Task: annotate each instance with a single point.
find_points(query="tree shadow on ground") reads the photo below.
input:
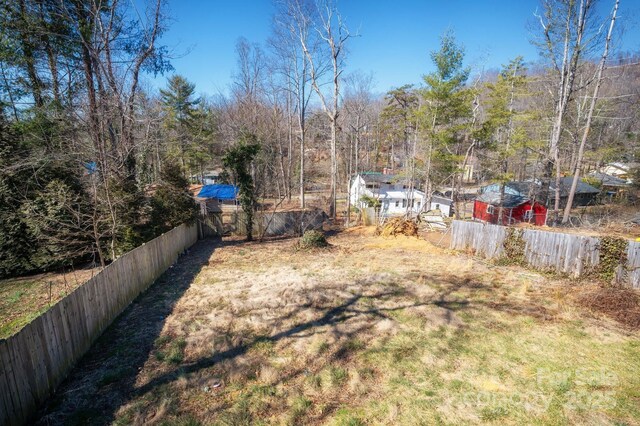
(105, 376)
(106, 379)
(333, 316)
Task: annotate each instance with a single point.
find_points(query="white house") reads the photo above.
(210, 177)
(619, 170)
(395, 196)
(444, 204)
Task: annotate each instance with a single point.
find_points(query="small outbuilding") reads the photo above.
(444, 204)
(213, 197)
(612, 187)
(586, 195)
(516, 209)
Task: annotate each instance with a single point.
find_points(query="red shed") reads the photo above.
(515, 209)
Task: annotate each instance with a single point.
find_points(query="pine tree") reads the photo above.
(445, 113)
(16, 248)
(501, 130)
(181, 109)
(172, 205)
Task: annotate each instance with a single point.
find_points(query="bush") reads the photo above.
(369, 201)
(171, 204)
(313, 239)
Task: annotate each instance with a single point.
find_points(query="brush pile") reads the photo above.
(312, 239)
(398, 226)
(621, 304)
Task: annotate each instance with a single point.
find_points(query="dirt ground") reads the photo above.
(371, 330)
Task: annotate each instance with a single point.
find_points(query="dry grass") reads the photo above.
(23, 299)
(374, 331)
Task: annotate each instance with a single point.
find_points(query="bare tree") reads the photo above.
(587, 126)
(292, 30)
(331, 29)
(357, 103)
(111, 74)
(566, 26)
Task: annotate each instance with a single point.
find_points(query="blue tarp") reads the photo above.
(91, 167)
(219, 191)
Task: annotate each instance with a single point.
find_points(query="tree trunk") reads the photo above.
(29, 57)
(587, 127)
(303, 131)
(334, 168)
(565, 90)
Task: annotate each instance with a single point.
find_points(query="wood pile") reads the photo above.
(398, 226)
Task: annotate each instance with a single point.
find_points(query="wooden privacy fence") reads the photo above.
(36, 359)
(564, 253)
(294, 222)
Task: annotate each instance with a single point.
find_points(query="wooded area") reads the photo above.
(93, 163)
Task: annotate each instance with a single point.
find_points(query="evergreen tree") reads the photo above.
(181, 113)
(445, 113)
(502, 129)
(172, 205)
(16, 248)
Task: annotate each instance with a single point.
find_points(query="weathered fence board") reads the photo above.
(564, 253)
(486, 240)
(294, 222)
(37, 358)
(633, 263)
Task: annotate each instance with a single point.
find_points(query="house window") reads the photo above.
(397, 203)
(404, 203)
(437, 207)
(528, 214)
(490, 209)
(419, 204)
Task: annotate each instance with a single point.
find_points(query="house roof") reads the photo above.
(509, 200)
(565, 187)
(441, 200)
(608, 180)
(524, 188)
(400, 194)
(219, 191)
(623, 167)
(371, 177)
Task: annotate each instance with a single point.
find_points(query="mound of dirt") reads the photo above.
(398, 226)
(623, 305)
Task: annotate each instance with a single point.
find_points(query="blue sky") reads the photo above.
(395, 39)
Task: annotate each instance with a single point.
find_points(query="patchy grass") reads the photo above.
(23, 299)
(374, 331)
